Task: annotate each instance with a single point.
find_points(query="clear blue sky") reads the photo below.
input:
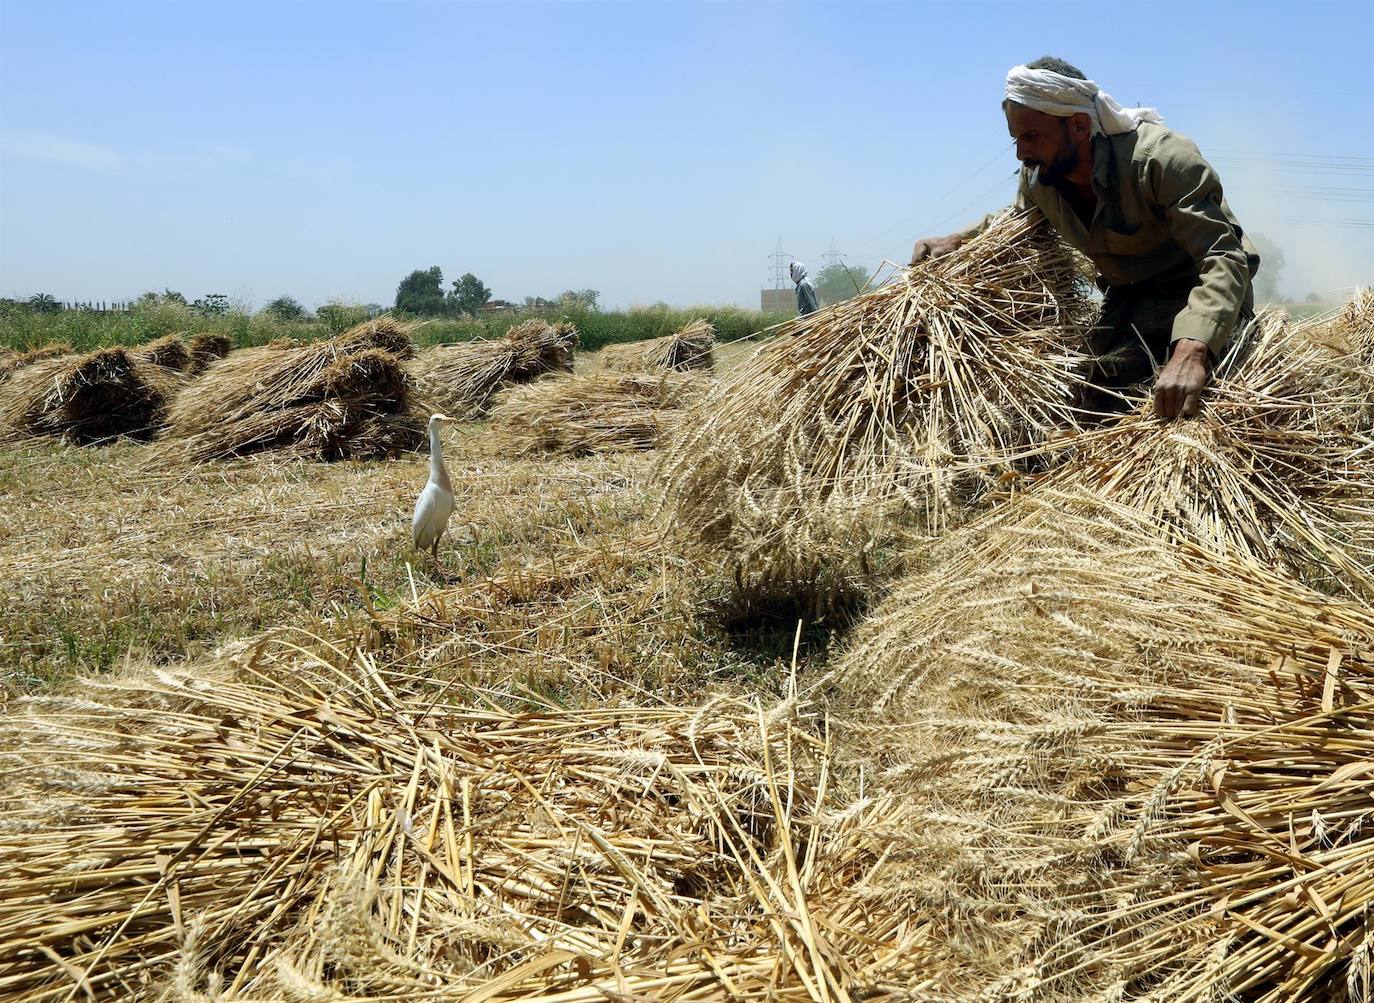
(653, 151)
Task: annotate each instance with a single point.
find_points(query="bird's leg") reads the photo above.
(434, 550)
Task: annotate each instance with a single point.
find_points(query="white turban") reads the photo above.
(797, 270)
(1061, 96)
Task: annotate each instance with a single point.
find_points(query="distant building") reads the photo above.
(778, 300)
(496, 306)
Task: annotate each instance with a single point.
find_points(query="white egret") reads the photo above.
(435, 503)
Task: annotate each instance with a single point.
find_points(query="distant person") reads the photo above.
(1141, 202)
(806, 292)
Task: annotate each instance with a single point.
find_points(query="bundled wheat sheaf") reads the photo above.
(906, 401)
(169, 350)
(691, 347)
(592, 413)
(1278, 465)
(1136, 768)
(11, 361)
(88, 398)
(205, 348)
(347, 398)
(462, 379)
(324, 838)
(1353, 324)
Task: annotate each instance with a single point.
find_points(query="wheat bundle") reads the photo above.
(88, 398)
(10, 361)
(169, 351)
(384, 332)
(205, 348)
(542, 347)
(1140, 764)
(320, 838)
(909, 399)
(1278, 464)
(592, 413)
(462, 379)
(691, 347)
(330, 400)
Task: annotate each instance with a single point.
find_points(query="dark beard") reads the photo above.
(1058, 169)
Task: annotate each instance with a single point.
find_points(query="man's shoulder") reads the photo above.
(1151, 142)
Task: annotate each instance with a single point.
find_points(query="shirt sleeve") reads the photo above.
(1189, 193)
(806, 298)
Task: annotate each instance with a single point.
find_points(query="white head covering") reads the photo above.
(797, 271)
(1061, 96)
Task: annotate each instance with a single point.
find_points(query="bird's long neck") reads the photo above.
(437, 473)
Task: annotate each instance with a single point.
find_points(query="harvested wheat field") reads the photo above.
(462, 379)
(593, 412)
(346, 398)
(691, 347)
(900, 406)
(1104, 736)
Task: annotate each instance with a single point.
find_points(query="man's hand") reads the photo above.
(1178, 388)
(934, 247)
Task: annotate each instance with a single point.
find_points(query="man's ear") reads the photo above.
(1080, 126)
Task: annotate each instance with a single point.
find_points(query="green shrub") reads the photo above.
(22, 328)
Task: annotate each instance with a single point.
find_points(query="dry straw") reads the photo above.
(592, 413)
(205, 348)
(90, 398)
(169, 350)
(10, 361)
(462, 379)
(1279, 465)
(324, 837)
(347, 398)
(1135, 767)
(1353, 324)
(907, 401)
(691, 347)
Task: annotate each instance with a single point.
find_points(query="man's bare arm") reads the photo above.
(935, 247)
(1179, 385)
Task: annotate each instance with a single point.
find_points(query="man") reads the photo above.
(806, 292)
(1140, 201)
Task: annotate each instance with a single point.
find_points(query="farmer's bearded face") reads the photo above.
(1043, 142)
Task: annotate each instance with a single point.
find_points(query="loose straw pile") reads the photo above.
(691, 347)
(462, 379)
(905, 402)
(593, 413)
(322, 837)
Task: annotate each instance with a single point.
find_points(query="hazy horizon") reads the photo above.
(653, 152)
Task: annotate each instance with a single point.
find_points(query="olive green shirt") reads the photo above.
(1160, 220)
